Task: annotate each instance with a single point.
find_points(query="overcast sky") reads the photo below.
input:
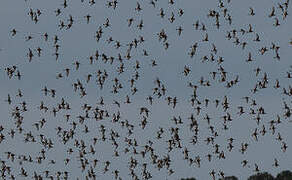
(78, 43)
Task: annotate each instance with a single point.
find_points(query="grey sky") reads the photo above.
(78, 43)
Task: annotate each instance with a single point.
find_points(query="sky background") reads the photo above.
(78, 43)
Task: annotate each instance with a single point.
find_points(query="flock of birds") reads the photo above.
(109, 124)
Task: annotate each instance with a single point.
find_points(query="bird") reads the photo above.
(13, 32)
(251, 11)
